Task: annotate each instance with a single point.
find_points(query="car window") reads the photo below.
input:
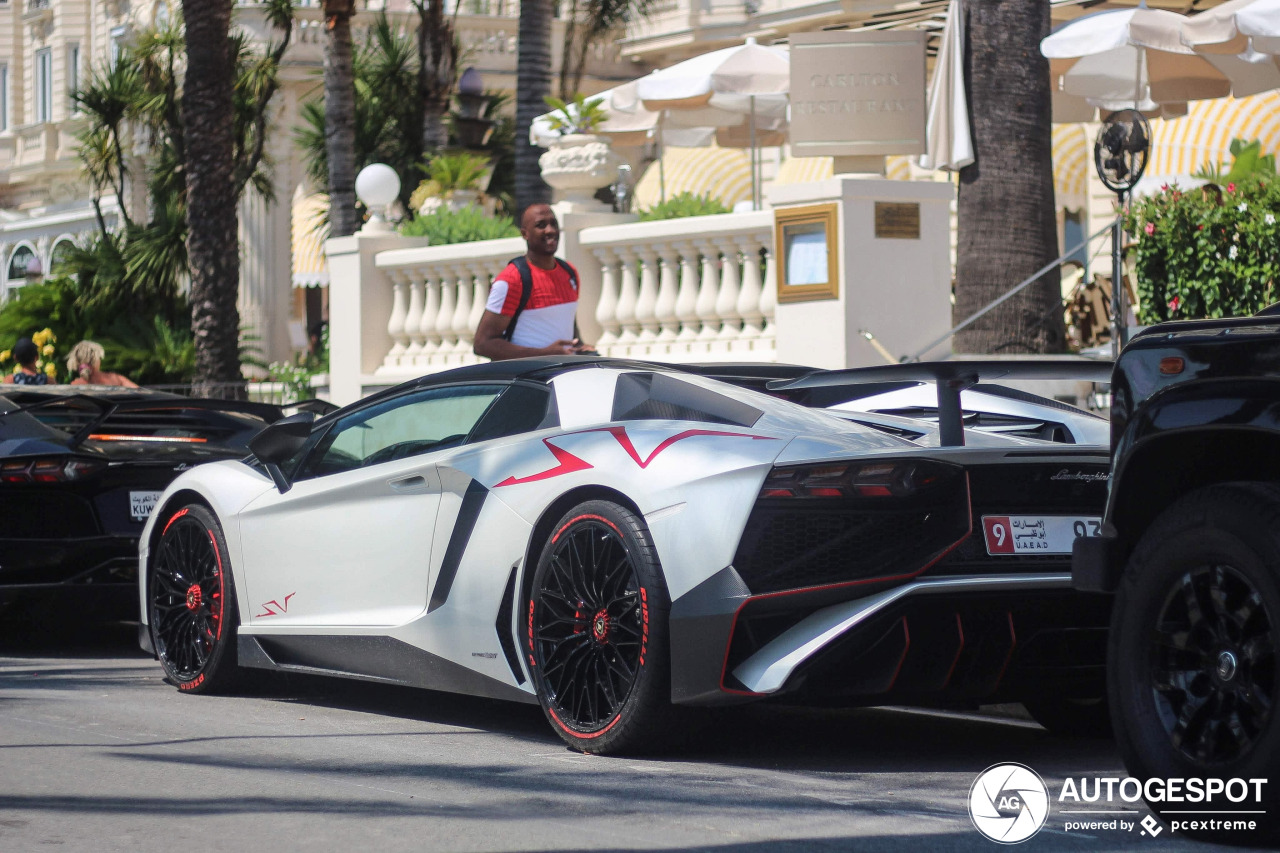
(521, 408)
(656, 396)
(404, 426)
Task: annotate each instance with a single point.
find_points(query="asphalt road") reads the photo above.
(97, 753)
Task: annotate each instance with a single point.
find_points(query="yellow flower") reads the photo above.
(48, 349)
(40, 338)
(4, 356)
(51, 370)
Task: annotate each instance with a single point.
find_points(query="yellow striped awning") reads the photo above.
(804, 170)
(1183, 145)
(722, 173)
(310, 228)
(1072, 160)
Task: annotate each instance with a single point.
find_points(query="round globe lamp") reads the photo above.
(377, 186)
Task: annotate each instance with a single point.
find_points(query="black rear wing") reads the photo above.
(951, 378)
(106, 409)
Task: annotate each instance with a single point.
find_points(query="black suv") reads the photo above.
(1191, 547)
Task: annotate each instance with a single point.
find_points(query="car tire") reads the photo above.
(191, 603)
(1193, 668)
(1071, 716)
(596, 632)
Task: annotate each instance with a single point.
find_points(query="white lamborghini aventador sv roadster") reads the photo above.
(616, 540)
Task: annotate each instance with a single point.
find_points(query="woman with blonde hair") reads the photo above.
(85, 361)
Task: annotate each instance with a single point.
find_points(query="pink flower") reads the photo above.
(1199, 227)
(1150, 229)
(1174, 303)
(1164, 188)
(1231, 188)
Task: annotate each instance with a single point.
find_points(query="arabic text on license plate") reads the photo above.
(141, 504)
(1036, 534)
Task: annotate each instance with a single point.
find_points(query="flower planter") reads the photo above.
(578, 165)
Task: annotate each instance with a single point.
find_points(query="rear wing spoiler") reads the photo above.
(950, 378)
(106, 408)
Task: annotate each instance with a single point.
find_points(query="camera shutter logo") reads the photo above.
(1008, 803)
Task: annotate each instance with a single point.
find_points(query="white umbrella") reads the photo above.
(1130, 56)
(949, 144)
(749, 75)
(1236, 27)
(748, 69)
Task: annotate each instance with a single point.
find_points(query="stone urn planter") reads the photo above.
(577, 165)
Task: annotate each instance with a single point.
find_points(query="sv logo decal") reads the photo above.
(275, 608)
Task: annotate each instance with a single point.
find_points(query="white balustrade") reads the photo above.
(687, 289)
(647, 304)
(681, 290)
(439, 293)
(713, 272)
(607, 307)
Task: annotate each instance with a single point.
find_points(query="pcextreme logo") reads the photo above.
(1008, 803)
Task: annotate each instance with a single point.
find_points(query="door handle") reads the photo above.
(412, 483)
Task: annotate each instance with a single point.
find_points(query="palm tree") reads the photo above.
(213, 247)
(1005, 207)
(437, 70)
(589, 23)
(137, 130)
(533, 83)
(388, 116)
(340, 109)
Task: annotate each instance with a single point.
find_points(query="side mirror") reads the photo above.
(279, 441)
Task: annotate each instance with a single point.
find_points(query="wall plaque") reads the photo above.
(857, 93)
(897, 220)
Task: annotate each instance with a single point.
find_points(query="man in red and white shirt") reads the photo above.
(546, 324)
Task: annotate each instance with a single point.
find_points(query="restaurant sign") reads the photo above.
(857, 93)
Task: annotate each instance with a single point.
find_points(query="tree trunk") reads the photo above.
(533, 83)
(340, 117)
(1005, 209)
(213, 248)
(437, 72)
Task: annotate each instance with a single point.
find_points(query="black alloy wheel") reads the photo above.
(596, 630)
(1193, 658)
(192, 602)
(1213, 665)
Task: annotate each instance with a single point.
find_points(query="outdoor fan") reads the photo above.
(1121, 149)
(1120, 155)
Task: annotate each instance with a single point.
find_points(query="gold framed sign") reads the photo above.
(808, 252)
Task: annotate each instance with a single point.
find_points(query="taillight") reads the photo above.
(881, 479)
(56, 469)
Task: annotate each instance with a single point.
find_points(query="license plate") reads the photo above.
(141, 504)
(1036, 534)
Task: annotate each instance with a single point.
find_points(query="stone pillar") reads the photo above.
(360, 308)
(893, 281)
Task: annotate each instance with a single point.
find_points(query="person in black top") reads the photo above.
(25, 353)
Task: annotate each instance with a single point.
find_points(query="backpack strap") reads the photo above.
(526, 286)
